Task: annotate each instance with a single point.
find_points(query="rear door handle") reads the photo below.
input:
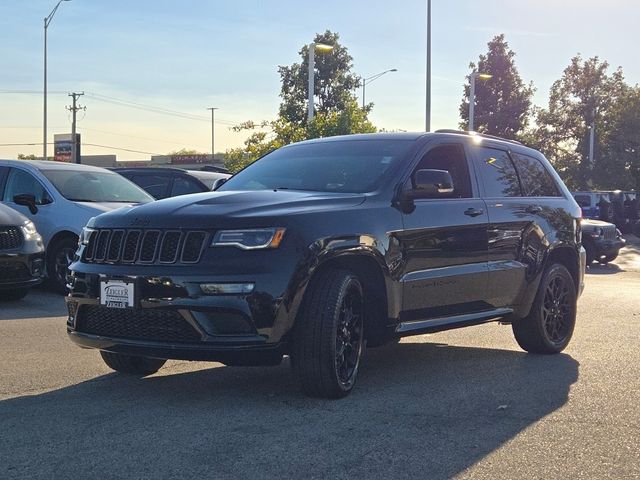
(473, 212)
(533, 209)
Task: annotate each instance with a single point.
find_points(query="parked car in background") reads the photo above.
(617, 207)
(322, 247)
(601, 240)
(60, 198)
(172, 182)
(21, 254)
(595, 205)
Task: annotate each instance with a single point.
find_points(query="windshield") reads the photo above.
(83, 186)
(350, 166)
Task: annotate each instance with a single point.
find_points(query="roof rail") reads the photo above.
(484, 135)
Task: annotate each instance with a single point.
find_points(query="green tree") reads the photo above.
(31, 156)
(587, 93)
(503, 102)
(334, 82)
(619, 165)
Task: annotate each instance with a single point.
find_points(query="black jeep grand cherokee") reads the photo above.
(323, 246)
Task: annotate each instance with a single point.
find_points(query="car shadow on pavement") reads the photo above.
(606, 269)
(420, 410)
(37, 304)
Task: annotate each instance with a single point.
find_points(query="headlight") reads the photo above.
(29, 231)
(85, 236)
(252, 239)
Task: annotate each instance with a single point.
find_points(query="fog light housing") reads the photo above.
(227, 288)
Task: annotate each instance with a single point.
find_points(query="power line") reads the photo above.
(169, 142)
(123, 149)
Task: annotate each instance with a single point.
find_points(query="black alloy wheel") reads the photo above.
(328, 339)
(59, 259)
(549, 326)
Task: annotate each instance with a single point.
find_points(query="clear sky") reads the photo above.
(187, 55)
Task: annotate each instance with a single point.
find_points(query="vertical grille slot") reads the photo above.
(131, 245)
(169, 248)
(115, 246)
(102, 244)
(192, 247)
(91, 245)
(149, 246)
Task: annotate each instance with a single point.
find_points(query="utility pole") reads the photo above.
(427, 125)
(592, 135)
(213, 135)
(74, 109)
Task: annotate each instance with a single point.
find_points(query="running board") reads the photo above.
(448, 323)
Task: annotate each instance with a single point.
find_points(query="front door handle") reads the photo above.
(473, 212)
(533, 209)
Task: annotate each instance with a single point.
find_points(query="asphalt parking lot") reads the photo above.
(466, 404)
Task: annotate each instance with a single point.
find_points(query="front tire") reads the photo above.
(131, 364)
(328, 339)
(549, 326)
(59, 258)
(608, 258)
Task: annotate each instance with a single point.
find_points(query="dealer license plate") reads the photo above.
(117, 293)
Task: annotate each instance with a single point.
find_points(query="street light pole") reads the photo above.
(427, 125)
(472, 95)
(312, 73)
(47, 21)
(213, 134)
(371, 79)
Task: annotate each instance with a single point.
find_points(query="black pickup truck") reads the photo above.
(323, 247)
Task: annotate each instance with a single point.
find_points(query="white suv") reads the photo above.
(60, 198)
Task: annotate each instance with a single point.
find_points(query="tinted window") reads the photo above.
(498, 173)
(95, 186)
(354, 166)
(452, 159)
(20, 182)
(183, 186)
(155, 185)
(536, 180)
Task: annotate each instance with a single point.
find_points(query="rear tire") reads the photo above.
(549, 326)
(15, 294)
(591, 252)
(328, 339)
(132, 364)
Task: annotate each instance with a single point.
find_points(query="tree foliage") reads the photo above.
(334, 82)
(336, 106)
(503, 102)
(585, 94)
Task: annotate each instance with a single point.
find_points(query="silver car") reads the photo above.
(60, 198)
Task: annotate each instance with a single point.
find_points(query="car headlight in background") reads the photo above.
(29, 231)
(85, 235)
(250, 239)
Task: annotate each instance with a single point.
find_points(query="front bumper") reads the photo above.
(20, 270)
(609, 247)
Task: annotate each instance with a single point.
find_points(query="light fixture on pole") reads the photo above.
(321, 47)
(472, 94)
(213, 134)
(47, 21)
(371, 79)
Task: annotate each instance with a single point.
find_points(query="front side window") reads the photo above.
(346, 166)
(498, 174)
(583, 200)
(155, 185)
(96, 186)
(452, 159)
(184, 186)
(536, 180)
(20, 182)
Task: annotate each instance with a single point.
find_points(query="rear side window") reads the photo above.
(583, 200)
(184, 186)
(498, 174)
(156, 185)
(535, 178)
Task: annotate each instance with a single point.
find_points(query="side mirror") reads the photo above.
(27, 200)
(218, 183)
(432, 184)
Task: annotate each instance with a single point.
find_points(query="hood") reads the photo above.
(102, 207)
(211, 209)
(586, 222)
(10, 217)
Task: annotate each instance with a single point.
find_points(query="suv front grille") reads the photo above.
(10, 237)
(120, 246)
(609, 232)
(136, 324)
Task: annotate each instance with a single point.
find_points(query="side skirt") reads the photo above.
(417, 327)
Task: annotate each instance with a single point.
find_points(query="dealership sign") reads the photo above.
(63, 147)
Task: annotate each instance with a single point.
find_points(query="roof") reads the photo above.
(53, 165)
